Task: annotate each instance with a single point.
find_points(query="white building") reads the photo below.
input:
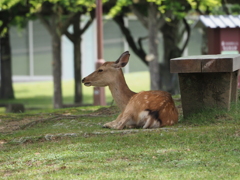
(32, 55)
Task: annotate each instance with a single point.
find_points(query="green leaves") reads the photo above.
(18, 12)
(204, 5)
(7, 4)
(71, 5)
(118, 7)
(178, 7)
(35, 5)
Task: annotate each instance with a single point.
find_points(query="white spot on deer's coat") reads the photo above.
(162, 103)
(143, 115)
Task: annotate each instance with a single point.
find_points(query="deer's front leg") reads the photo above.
(112, 124)
(122, 120)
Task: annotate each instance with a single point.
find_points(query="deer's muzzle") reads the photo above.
(86, 83)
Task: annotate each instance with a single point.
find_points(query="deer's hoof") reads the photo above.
(104, 126)
(107, 125)
(110, 125)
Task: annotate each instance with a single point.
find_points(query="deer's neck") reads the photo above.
(121, 92)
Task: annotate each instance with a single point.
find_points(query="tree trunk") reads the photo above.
(170, 37)
(57, 63)
(153, 47)
(77, 61)
(6, 91)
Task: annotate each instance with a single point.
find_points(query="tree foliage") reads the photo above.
(179, 8)
(11, 13)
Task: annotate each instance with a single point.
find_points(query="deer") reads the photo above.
(146, 109)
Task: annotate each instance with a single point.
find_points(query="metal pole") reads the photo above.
(99, 92)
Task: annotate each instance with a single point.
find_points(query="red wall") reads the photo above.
(213, 41)
(226, 39)
(230, 40)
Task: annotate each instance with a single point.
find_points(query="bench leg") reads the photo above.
(207, 90)
(234, 93)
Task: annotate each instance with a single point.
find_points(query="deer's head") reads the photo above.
(107, 73)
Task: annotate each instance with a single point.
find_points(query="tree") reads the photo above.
(57, 16)
(9, 14)
(168, 17)
(6, 91)
(153, 15)
(51, 17)
(75, 38)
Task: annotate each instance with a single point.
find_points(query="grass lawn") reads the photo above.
(71, 144)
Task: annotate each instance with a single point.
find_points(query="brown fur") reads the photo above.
(147, 109)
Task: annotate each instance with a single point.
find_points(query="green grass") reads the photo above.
(71, 144)
(80, 149)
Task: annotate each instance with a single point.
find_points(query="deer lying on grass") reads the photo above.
(147, 109)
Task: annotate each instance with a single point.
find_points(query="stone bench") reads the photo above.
(207, 81)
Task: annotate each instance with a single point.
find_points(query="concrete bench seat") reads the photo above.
(207, 81)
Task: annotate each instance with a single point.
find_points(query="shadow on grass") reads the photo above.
(46, 102)
(212, 116)
(31, 102)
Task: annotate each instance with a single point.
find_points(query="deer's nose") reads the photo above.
(83, 80)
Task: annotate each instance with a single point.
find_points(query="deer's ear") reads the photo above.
(122, 60)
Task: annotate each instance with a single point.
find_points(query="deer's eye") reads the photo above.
(100, 70)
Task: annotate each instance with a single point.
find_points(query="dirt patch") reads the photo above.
(106, 111)
(2, 142)
(13, 125)
(237, 133)
(9, 123)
